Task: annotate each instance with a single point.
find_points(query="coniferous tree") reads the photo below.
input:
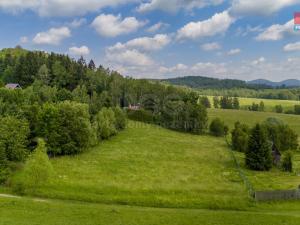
(258, 154)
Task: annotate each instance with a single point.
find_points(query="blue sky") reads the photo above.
(242, 39)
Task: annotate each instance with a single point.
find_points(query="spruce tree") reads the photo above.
(258, 154)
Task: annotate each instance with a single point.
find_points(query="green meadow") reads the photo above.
(151, 175)
(269, 103)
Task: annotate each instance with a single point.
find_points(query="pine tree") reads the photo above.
(258, 154)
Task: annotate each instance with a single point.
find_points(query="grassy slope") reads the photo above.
(150, 166)
(275, 179)
(28, 212)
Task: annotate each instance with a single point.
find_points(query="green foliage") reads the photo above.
(218, 128)
(4, 170)
(240, 137)
(278, 109)
(297, 109)
(105, 123)
(37, 170)
(120, 117)
(140, 115)
(66, 127)
(287, 161)
(216, 101)
(258, 154)
(14, 135)
(205, 101)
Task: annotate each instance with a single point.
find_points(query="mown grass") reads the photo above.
(150, 166)
(274, 179)
(53, 212)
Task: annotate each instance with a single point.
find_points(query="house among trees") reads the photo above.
(276, 155)
(134, 107)
(13, 86)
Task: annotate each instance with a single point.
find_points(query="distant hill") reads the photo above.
(207, 82)
(285, 83)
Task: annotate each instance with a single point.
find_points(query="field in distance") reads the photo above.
(269, 103)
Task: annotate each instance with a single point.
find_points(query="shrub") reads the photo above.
(258, 154)
(287, 162)
(278, 109)
(217, 128)
(120, 117)
(4, 170)
(37, 170)
(104, 123)
(240, 137)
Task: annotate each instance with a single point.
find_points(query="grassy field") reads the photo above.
(53, 212)
(269, 103)
(150, 166)
(150, 175)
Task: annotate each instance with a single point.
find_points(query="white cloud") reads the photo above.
(79, 51)
(77, 23)
(135, 54)
(259, 61)
(277, 32)
(211, 46)
(217, 24)
(144, 43)
(175, 5)
(292, 47)
(259, 7)
(234, 51)
(128, 57)
(109, 25)
(156, 27)
(53, 36)
(60, 7)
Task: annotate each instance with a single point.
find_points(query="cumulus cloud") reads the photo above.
(77, 23)
(234, 51)
(217, 24)
(135, 54)
(53, 36)
(259, 7)
(277, 32)
(60, 7)
(175, 5)
(292, 47)
(109, 25)
(211, 46)
(79, 51)
(156, 27)
(144, 43)
(259, 61)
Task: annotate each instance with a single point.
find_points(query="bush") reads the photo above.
(217, 128)
(287, 162)
(36, 172)
(240, 137)
(278, 109)
(120, 118)
(105, 123)
(4, 170)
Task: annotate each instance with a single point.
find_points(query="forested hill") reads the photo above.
(206, 82)
(213, 83)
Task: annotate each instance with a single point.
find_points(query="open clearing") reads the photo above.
(151, 175)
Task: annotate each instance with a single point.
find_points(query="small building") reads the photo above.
(13, 86)
(276, 155)
(134, 107)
